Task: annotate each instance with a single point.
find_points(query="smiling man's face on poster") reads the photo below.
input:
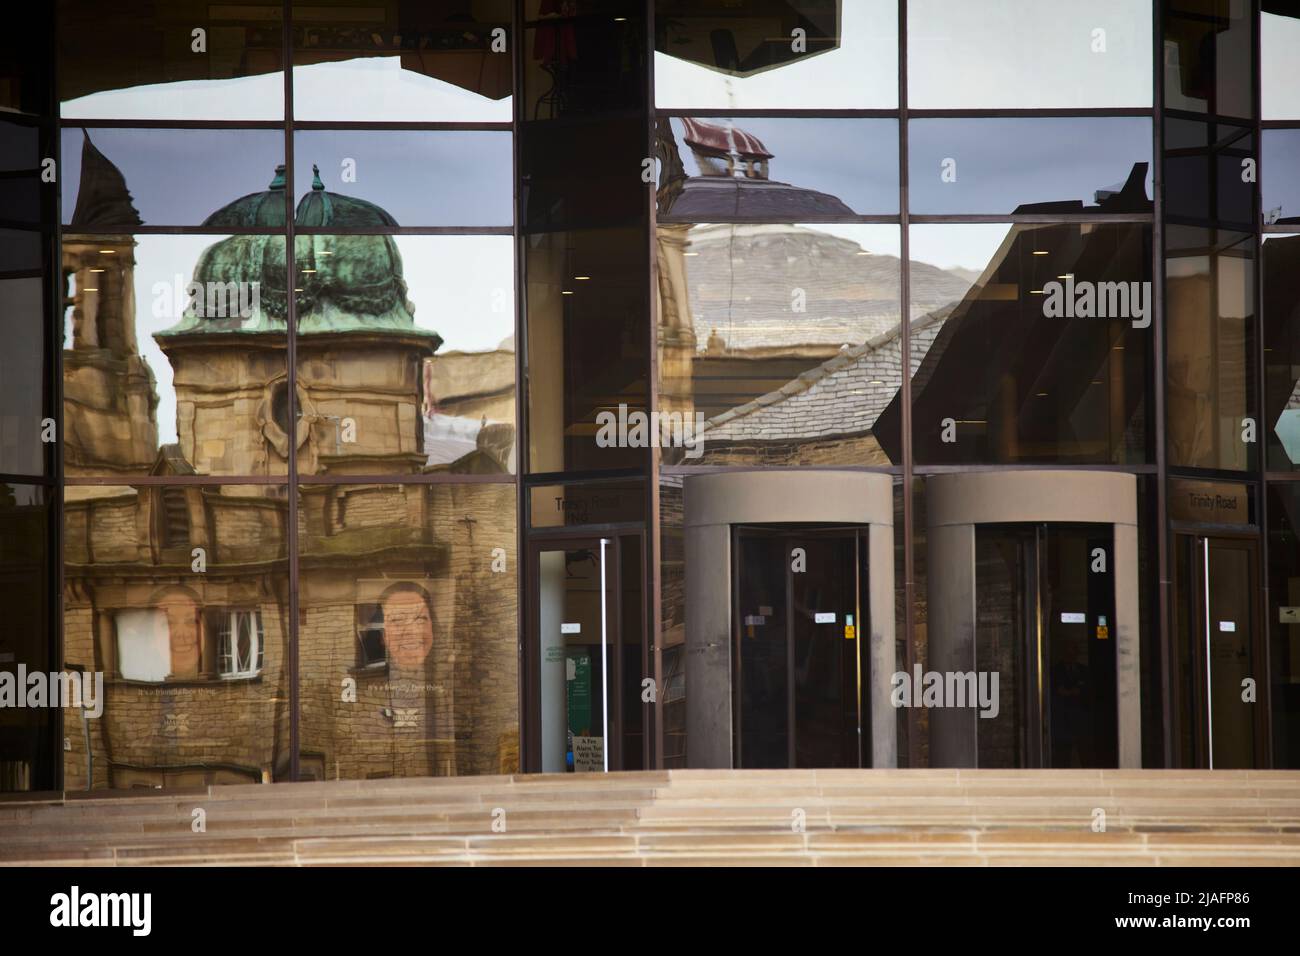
(408, 628)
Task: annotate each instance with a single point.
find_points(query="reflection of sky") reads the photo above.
(957, 245)
(995, 53)
(452, 281)
(374, 89)
(460, 178)
(1279, 57)
(1279, 173)
(180, 177)
(1028, 53)
(862, 73)
(855, 160)
(177, 178)
(1003, 163)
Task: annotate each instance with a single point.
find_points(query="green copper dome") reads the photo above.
(344, 282)
(256, 210)
(319, 208)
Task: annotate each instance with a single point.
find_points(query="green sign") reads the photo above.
(578, 684)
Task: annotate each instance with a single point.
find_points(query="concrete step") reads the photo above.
(800, 817)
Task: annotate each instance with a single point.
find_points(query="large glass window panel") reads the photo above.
(758, 168)
(1022, 53)
(406, 355)
(179, 596)
(1280, 176)
(174, 354)
(113, 179)
(185, 59)
(1284, 621)
(1281, 305)
(1034, 345)
(574, 174)
(1279, 39)
(26, 733)
(582, 58)
(1209, 56)
(1053, 166)
(1209, 348)
(23, 375)
(800, 54)
(408, 603)
(587, 364)
(442, 61)
(21, 251)
(24, 198)
(421, 178)
(779, 344)
(1209, 172)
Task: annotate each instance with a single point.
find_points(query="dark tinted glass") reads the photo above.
(586, 503)
(779, 344)
(445, 60)
(1281, 301)
(178, 60)
(1048, 166)
(1209, 348)
(1284, 620)
(1209, 58)
(27, 53)
(407, 647)
(581, 58)
(23, 321)
(173, 349)
(1209, 172)
(406, 356)
(21, 250)
(800, 54)
(1280, 177)
(442, 178)
(805, 170)
(1279, 26)
(114, 179)
(588, 347)
(581, 174)
(179, 595)
(26, 733)
(1022, 53)
(24, 198)
(1038, 350)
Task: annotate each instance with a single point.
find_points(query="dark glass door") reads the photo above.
(1220, 715)
(1045, 618)
(800, 673)
(585, 658)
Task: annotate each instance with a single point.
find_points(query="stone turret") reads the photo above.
(109, 394)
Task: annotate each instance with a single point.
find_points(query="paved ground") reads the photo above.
(682, 817)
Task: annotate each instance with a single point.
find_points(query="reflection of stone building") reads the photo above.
(107, 386)
(180, 593)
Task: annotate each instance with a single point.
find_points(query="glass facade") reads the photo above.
(560, 386)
